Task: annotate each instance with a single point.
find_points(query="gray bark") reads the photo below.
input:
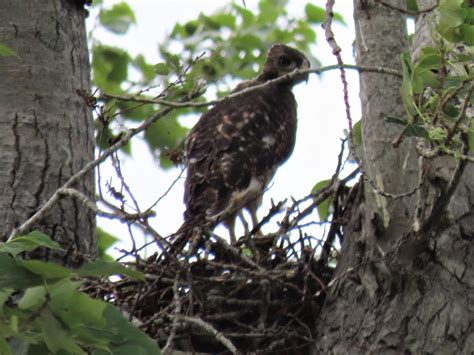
(46, 129)
(398, 291)
(381, 37)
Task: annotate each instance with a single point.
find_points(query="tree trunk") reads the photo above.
(402, 287)
(46, 129)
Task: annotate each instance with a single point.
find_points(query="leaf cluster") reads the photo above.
(43, 311)
(437, 87)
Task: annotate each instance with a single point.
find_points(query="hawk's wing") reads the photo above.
(237, 146)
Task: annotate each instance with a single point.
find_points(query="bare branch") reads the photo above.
(381, 70)
(461, 115)
(211, 330)
(177, 310)
(336, 50)
(408, 12)
(123, 216)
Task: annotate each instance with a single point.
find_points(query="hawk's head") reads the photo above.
(282, 60)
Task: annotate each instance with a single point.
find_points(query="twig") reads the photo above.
(408, 12)
(167, 190)
(336, 50)
(462, 114)
(123, 216)
(209, 329)
(118, 169)
(177, 310)
(433, 152)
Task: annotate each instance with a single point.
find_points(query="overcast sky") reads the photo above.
(321, 113)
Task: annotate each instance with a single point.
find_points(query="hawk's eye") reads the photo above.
(284, 61)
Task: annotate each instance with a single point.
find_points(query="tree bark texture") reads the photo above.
(46, 129)
(399, 291)
(381, 37)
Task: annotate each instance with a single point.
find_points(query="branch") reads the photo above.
(433, 152)
(408, 12)
(177, 310)
(462, 114)
(336, 50)
(118, 214)
(209, 329)
(381, 70)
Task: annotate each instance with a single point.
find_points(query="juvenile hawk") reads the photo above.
(235, 148)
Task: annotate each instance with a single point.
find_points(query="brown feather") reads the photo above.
(236, 147)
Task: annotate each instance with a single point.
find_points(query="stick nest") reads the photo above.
(220, 298)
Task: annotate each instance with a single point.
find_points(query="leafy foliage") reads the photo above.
(437, 88)
(43, 311)
(456, 23)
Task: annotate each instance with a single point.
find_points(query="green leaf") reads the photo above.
(172, 60)
(247, 16)
(133, 111)
(74, 308)
(4, 348)
(411, 129)
(106, 268)
(28, 243)
(125, 336)
(6, 51)
(191, 27)
(430, 58)
(33, 297)
(315, 14)
(105, 241)
(167, 133)
(146, 69)
(270, 11)
(109, 67)
(15, 276)
(45, 269)
(249, 41)
(467, 34)
(161, 69)
(357, 133)
(323, 207)
(24, 347)
(306, 31)
(56, 337)
(118, 19)
(4, 295)
(338, 17)
(452, 15)
(225, 20)
(471, 137)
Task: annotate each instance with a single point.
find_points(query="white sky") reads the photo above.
(321, 113)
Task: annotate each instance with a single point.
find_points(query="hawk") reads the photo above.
(234, 150)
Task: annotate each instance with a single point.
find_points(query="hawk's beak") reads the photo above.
(306, 65)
